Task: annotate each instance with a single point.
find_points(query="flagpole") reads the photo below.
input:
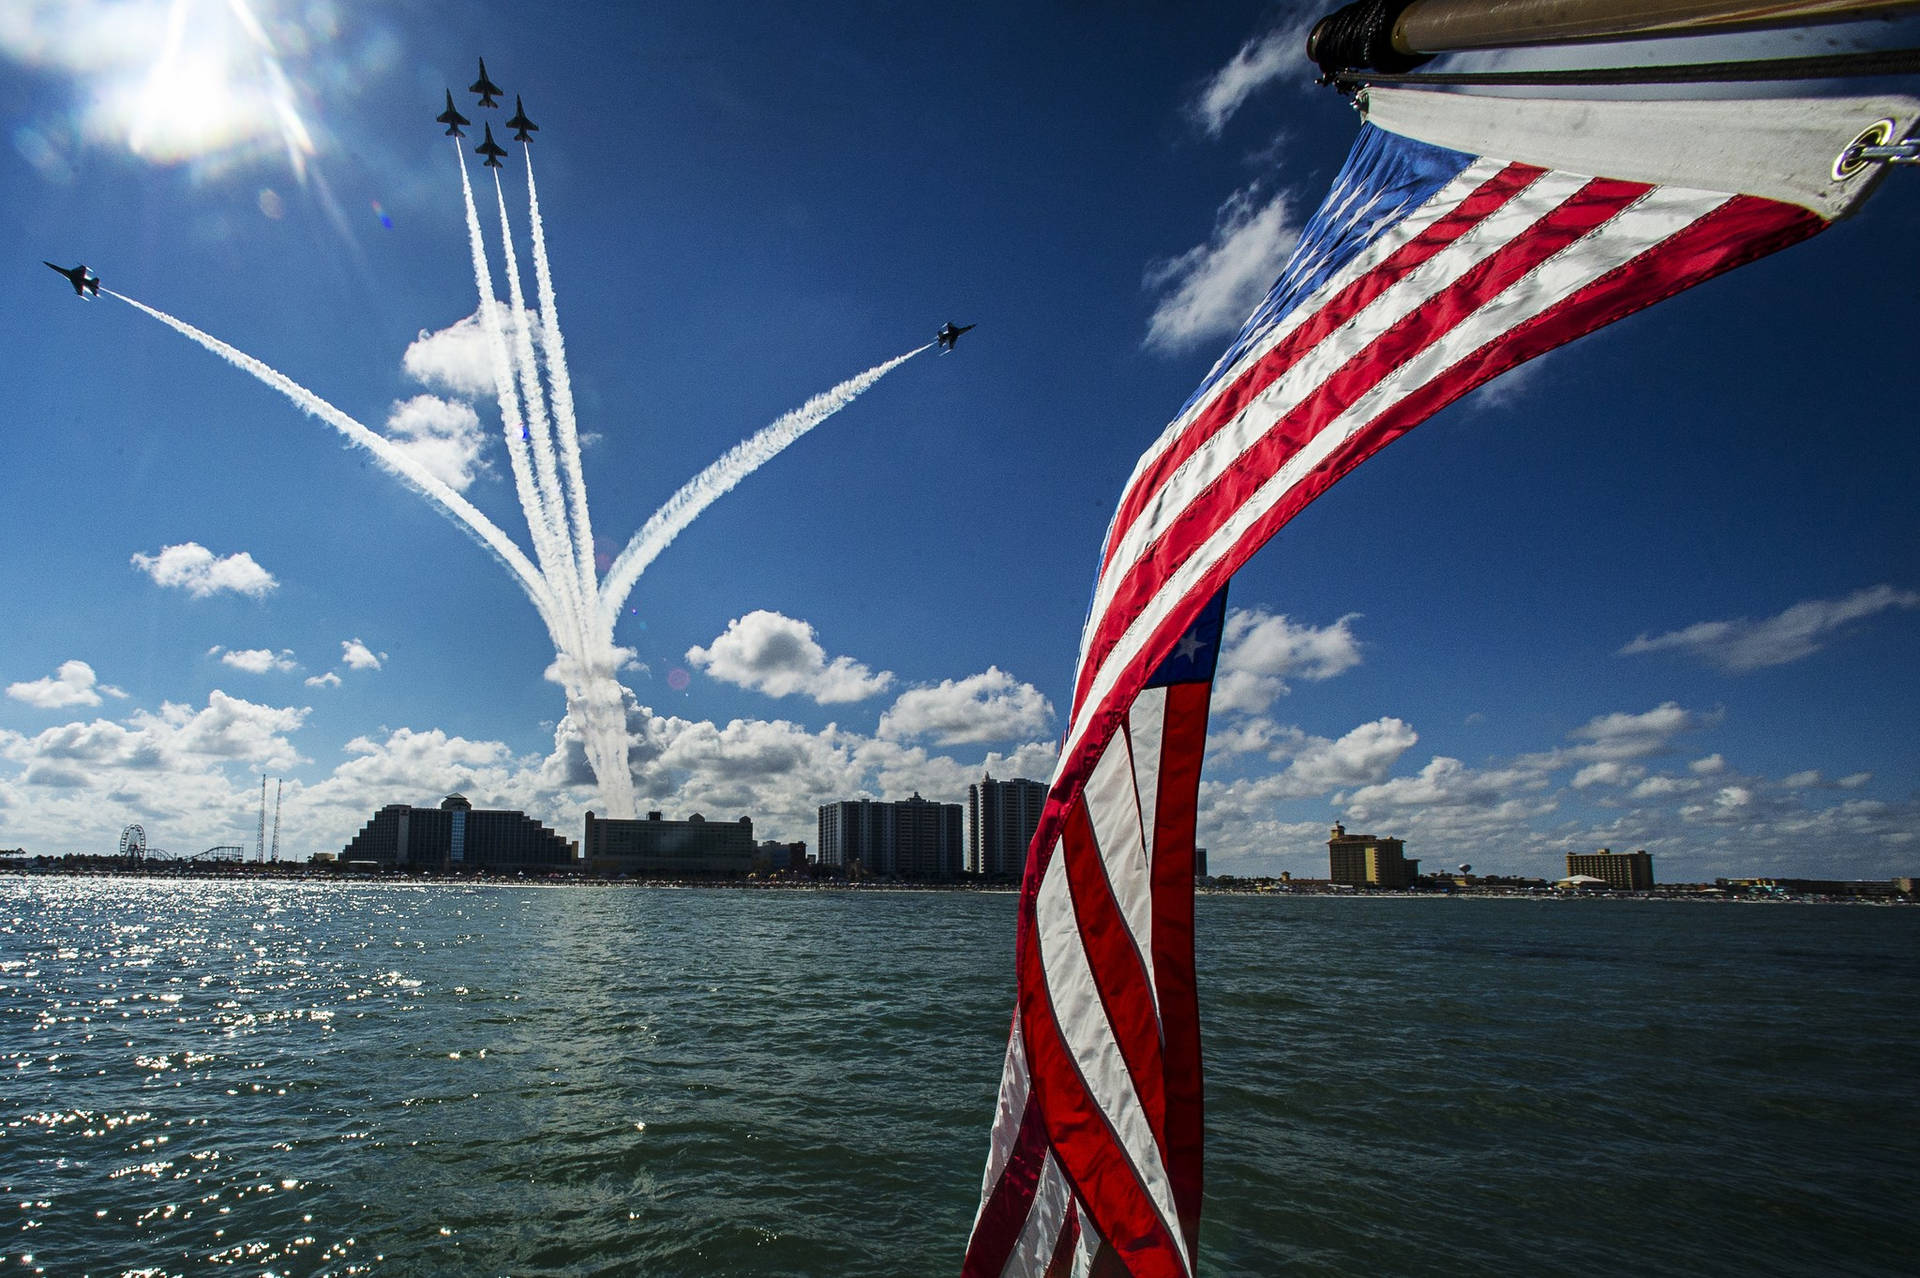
(1442, 26)
(1423, 28)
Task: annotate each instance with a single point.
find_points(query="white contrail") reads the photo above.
(561, 381)
(718, 479)
(592, 687)
(585, 659)
(545, 466)
(463, 513)
(538, 527)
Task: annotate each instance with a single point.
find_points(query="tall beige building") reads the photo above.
(1361, 860)
(1623, 871)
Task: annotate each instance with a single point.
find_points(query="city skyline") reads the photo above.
(1656, 590)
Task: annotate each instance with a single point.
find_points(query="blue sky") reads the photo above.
(1655, 590)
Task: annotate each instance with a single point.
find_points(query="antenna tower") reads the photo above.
(275, 856)
(260, 840)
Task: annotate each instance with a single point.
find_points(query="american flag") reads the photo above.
(1430, 269)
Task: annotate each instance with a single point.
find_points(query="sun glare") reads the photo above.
(189, 80)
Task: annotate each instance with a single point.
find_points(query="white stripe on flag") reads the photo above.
(1009, 1111)
(1082, 1020)
(1041, 1234)
(1113, 810)
(1146, 726)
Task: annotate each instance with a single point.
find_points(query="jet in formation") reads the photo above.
(949, 334)
(527, 128)
(83, 280)
(452, 118)
(491, 149)
(485, 87)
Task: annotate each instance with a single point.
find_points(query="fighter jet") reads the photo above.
(452, 118)
(949, 334)
(521, 122)
(491, 149)
(83, 280)
(485, 87)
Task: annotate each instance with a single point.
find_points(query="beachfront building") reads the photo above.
(660, 849)
(456, 837)
(853, 832)
(1001, 819)
(913, 838)
(775, 857)
(1361, 860)
(1621, 871)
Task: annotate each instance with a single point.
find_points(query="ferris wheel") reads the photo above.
(133, 841)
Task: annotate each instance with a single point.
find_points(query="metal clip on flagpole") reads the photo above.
(1875, 145)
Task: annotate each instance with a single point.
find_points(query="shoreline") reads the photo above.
(305, 872)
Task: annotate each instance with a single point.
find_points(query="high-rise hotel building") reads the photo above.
(1621, 871)
(913, 838)
(456, 837)
(1001, 819)
(1361, 860)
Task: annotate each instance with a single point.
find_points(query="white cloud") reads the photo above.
(1622, 737)
(459, 358)
(1709, 766)
(173, 760)
(358, 656)
(327, 680)
(1208, 291)
(779, 656)
(1742, 645)
(1610, 772)
(992, 706)
(1279, 54)
(258, 660)
(1443, 783)
(443, 435)
(195, 569)
(1261, 650)
(1316, 766)
(73, 684)
(1659, 787)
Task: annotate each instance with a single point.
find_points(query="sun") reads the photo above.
(208, 84)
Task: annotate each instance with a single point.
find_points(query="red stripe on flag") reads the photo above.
(1589, 207)
(1004, 1217)
(1486, 199)
(1118, 967)
(1182, 747)
(1085, 1144)
(1060, 1265)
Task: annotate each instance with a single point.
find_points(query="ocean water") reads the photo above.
(254, 1078)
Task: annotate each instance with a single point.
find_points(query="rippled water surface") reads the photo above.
(331, 1079)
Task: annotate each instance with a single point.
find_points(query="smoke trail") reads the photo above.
(562, 383)
(545, 465)
(718, 479)
(585, 666)
(451, 503)
(537, 526)
(588, 671)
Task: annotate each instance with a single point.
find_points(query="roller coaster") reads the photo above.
(134, 845)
